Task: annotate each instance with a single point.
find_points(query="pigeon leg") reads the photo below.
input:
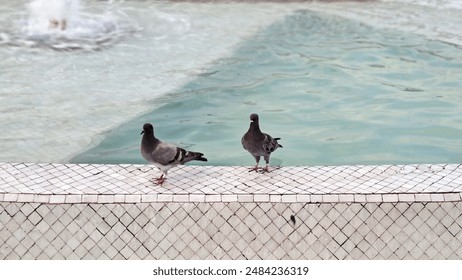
(267, 162)
(255, 168)
(160, 180)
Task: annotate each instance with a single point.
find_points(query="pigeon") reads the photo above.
(258, 143)
(164, 155)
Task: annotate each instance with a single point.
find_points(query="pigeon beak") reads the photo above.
(142, 132)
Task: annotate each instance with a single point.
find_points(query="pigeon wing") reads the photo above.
(166, 154)
(270, 144)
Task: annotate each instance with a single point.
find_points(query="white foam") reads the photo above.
(43, 12)
(65, 25)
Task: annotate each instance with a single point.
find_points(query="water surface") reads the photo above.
(336, 91)
(340, 83)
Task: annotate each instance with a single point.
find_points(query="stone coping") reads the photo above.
(128, 183)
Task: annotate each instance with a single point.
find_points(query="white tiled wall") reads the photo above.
(82, 211)
(234, 230)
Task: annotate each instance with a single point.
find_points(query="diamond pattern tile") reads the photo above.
(231, 230)
(85, 183)
(82, 211)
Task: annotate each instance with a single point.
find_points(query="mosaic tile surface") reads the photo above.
(231, 231)
(85, 183)
(69, 211)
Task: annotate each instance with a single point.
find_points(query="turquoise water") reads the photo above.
(336, 92)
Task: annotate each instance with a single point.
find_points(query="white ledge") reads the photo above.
(103, 183)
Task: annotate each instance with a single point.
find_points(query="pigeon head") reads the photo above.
(254, 126)
(254, 118)
(148, 128)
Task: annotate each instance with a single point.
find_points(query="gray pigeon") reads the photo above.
(163, 155)
(258, 143)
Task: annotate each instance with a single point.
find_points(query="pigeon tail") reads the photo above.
(279, 145)
(189, 156)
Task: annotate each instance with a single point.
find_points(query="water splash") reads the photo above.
(64, 25)
(48, 17)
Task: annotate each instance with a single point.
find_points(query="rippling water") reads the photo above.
(340, 83)
(336, 91)
(58, 102)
